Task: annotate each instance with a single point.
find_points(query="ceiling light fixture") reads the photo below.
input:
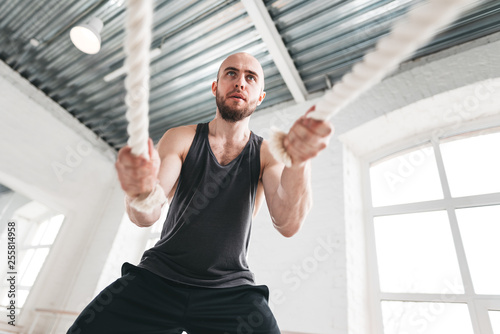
(86, 37)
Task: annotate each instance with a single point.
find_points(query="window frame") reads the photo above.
(478, 304)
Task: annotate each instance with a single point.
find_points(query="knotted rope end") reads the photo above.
(277, 147)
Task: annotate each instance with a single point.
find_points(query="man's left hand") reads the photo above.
(306, 138)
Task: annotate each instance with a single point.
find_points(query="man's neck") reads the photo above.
(230, 132)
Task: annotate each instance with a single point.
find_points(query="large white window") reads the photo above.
(36, 228)
(433, 224)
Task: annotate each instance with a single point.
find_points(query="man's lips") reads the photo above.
(237, 96)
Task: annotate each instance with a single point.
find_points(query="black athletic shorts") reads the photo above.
(141, 302)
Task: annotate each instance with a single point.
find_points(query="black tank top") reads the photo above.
(204, 240)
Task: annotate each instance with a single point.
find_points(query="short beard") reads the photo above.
(233, 115)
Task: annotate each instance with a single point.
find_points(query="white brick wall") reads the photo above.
(306, 273)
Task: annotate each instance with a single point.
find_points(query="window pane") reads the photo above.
(428, 318)
(495, 321)
(52, 230)
(480, 230)
(472, 165)
(407, 178)
(416, 253)
(25, 260)
(28, 277)
(40, 231)
(22, 295)
(4, 296)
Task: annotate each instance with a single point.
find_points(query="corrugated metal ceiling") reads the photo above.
(323, 37)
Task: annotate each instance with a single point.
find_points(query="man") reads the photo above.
(215, 175)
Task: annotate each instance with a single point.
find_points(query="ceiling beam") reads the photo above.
(271, 37)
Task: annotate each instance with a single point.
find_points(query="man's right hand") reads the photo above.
(137, 174)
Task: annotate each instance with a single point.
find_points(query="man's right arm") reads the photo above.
(138, 176)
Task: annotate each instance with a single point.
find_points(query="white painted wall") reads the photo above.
(305, 273)
(317, 278)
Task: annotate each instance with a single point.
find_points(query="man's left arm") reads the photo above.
(288, 189)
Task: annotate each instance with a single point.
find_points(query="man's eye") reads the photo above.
(251, 78)
(231, 73)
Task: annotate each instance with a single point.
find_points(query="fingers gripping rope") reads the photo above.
(138, 23)
(406, 37)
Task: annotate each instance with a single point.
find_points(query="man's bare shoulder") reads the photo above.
(265, 152)
(264, 148)
(182, 131)
(178, 140)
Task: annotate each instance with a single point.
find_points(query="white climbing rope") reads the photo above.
(138, 25)
(407, 35)
(138, 22)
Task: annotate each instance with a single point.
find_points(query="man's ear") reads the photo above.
(261, 98)
(214, 88)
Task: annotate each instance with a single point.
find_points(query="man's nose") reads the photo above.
(240, 82)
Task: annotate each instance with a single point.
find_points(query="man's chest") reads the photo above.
(225, 153)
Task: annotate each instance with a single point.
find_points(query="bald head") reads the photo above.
(243, 61)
